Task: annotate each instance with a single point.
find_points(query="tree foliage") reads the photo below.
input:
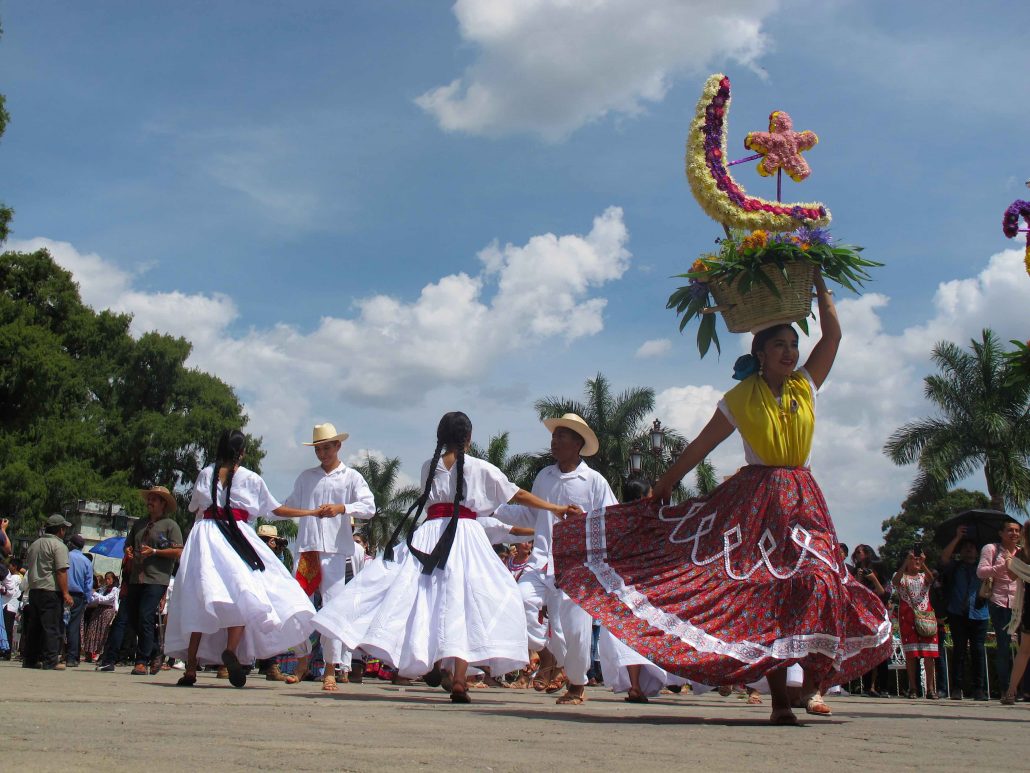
(917, 521)
(984, 423)
(391, 502)
(89, 412)
(5, 212)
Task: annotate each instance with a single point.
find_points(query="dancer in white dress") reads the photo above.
(234, 600)
(446, 598)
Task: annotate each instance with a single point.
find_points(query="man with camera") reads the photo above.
(152, 547)
(968, 614)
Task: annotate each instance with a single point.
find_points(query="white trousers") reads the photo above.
(334, 568)
(571, 628)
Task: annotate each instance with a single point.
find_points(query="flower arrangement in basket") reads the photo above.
(762, 273)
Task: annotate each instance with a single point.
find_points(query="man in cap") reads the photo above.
(80, 588)
(569, 479)
(47, 561)
(152, 547)
(326, 544)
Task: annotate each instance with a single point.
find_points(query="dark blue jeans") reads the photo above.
(139, 611)
(72, 638)
(968, 637)
(1000, 617)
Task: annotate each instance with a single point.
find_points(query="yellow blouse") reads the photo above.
(779, 432)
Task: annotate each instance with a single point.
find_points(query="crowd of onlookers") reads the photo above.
(972, 592)
(58, 613)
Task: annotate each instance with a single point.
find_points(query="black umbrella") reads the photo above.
(982, 526)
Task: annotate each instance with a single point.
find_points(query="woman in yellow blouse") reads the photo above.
(739, 584)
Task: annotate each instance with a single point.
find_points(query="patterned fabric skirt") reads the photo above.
(912, 643)
(95, 638)
(723, 589)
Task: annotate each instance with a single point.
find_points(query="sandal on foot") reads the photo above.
(754, 699)
(816, 706)
(782, 717)
(1008, 699)
(291, 679)
(555, 684)
(433, 678)
(571, 699)
(446, 682)
(237, 673)
(635, 696)
(187, 680)
(459, 694)
(329, 683)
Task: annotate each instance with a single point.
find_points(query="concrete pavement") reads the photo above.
(84, 720)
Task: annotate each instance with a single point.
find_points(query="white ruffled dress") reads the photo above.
(215, 589)
(471, 609)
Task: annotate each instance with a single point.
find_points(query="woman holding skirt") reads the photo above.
(446, 599)
(234, 601)
(741, 583)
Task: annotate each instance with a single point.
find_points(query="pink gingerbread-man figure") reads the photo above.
(781, 147)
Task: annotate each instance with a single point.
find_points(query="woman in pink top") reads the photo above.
(994, 565)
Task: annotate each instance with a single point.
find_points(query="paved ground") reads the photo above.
(84, 720)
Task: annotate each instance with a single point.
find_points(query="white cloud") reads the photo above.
(393, 351)
(656, 347)
(875, 387)
(547, 67)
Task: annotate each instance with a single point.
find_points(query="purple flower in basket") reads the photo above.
(698, 289)
(813, 236)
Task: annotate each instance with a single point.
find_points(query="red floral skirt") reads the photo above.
(912, 643)
(725, 588)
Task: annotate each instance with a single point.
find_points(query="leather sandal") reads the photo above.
(329, 683)
(237, 673)
(188, 679)
(815, 705)
(459, 693)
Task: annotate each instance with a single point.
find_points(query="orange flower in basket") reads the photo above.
(698, 265)
(755, 240)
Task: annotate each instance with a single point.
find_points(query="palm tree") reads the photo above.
(617, 420)
(984, 423)
(391, 503)
(520, 469)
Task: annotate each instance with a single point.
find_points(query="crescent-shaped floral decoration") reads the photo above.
(722, 197)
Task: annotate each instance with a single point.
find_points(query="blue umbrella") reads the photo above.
(113, 547)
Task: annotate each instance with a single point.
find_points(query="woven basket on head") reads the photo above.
(759, 308)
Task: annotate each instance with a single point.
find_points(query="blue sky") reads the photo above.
(282, 182)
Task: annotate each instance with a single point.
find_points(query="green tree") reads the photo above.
(917, 522)
(520, 469)
(391, 502)
(616, 419)
(89, 412)
(983, 423)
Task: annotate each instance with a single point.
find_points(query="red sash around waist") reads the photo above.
(446, 510)
(218, 514)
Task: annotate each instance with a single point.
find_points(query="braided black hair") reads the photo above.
(231, 446)
(452, 435)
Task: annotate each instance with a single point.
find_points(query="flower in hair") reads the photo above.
(746, 365)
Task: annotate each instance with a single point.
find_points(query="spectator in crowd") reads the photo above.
(47, 561)
(11, 601)
(152, 546)
(5, 582)
(80, 587)
(993, 569)
(105, 602)
(869, 570)
(967, 614)
(918, 621)
(269, 667)
(5, 541)
(1019, 567)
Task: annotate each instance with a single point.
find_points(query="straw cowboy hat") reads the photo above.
(577, 425)
(325, 433)
(267, 531)
(165, 494)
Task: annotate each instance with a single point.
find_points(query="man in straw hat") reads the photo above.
(326, 544)
(152, 547)
(569, 479)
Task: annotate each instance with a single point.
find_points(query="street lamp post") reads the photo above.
(657, 443)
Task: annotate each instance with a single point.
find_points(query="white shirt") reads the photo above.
(11, 592)
(499, 532)
(486, 487)
(343, 486)
(249, 493)
(584, 486)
